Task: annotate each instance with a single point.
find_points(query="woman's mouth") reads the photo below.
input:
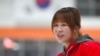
(60, 35)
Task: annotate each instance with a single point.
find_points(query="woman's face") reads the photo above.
(62, 32)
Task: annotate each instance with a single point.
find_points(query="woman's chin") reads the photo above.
(63, 41)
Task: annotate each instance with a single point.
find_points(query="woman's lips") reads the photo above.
(60, 35)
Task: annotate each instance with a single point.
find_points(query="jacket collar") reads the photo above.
(78, 40)
(83, 38)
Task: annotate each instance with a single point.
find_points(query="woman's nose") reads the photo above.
(60, 29)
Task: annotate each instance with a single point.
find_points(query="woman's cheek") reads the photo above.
(67, 32)
(54, 32)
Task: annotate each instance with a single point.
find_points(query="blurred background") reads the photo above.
(25, 25)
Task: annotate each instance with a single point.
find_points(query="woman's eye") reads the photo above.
(64, 25)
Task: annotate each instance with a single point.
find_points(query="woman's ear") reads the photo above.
(76, 30)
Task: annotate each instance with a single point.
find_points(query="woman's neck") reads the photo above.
(72, 40)
(67, 44)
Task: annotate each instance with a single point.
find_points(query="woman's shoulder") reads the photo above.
(86, 40)
(91, 44)
(90, 48)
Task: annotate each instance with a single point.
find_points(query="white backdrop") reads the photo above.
(26, 13)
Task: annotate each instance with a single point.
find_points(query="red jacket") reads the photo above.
(83, 46)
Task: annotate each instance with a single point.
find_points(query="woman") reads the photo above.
(66, 28)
